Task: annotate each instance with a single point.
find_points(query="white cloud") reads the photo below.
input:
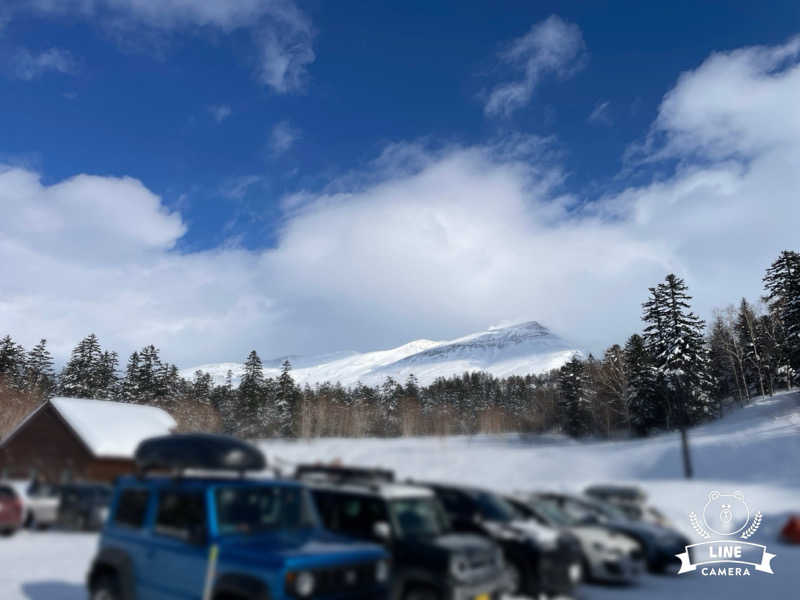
(28, 65)
(600, 113)
(425, 242)
(552, 46)
(236, 187)
(220, 112)
(283, 34)
(282, 137)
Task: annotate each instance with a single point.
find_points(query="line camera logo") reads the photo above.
(729, 517)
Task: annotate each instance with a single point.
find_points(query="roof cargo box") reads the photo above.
(199, 451)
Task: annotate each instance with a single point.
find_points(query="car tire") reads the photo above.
(105, 588)
(30, 521)
(421, 594)
(516, 578)
(8, 532)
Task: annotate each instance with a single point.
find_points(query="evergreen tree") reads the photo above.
(674, 337)
(641, 395)
(12, 363)
(130, 383)
(90, 373)
(782, 283)
(250, 415)
(573, 402)
(39, 374)
(285, 401)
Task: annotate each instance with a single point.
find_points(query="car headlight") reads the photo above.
(301, 583)
(459, 567)
(382, 571)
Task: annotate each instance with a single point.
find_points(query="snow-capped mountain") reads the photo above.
(514, 350)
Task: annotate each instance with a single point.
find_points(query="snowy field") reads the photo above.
(755, 450)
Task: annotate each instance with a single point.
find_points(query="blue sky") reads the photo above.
(248, 124)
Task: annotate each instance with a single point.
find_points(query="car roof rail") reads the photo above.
(340, 473)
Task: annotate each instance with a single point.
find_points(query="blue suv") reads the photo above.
(202, 537)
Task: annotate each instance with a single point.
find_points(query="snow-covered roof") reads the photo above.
(112, 429)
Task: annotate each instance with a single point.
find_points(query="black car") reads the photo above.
(83, 506)
(660, 544)
(428, 561)
(540, 559)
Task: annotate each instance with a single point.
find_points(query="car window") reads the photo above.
(455, 503)
(245, 510)
(181, 515)
(132, 508)
(418, 517)
(6, 493)
(356, 515)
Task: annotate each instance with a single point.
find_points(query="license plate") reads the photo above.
(482, 597)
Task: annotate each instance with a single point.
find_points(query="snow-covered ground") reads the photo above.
(755, 450)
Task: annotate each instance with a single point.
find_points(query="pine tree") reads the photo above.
(12, 363)
(782, 283)
(573, 403)
(644, 403)
(250, 416)
(285, 401)
(130, 383)
(39, 374)
(89, 372)
(674, 335)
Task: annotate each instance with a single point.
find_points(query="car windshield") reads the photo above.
(247, 510)
(552, 513)
(581, 512)
(494, 508)
(417, 517)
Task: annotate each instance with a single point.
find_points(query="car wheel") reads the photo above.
(515, 580)
(8, 532)
(30, 521)
(421, 594)
(105, 588)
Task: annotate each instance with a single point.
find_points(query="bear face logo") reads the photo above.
(726, 514)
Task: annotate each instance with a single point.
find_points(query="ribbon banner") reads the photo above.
(707, 553)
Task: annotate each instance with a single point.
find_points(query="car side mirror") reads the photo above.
(382, 531)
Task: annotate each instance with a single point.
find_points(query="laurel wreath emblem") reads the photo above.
(753, 526)
(701, 531)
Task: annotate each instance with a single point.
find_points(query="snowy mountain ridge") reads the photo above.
(518, 349)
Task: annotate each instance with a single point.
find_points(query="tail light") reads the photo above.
(16, 506)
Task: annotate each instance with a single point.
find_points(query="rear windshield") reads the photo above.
(248, 510)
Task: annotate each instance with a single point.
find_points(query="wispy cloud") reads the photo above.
(550, 47)
(237, 187)
(220, 112)
(27, 65)
(600, 113)
(282, 33)
(282, 137)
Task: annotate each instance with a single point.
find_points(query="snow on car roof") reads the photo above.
(113, 429)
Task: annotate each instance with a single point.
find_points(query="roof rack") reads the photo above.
(199, 451)
(341, 473)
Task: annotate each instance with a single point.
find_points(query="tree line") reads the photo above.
(676, 373)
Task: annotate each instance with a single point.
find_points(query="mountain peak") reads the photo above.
(507, 349)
